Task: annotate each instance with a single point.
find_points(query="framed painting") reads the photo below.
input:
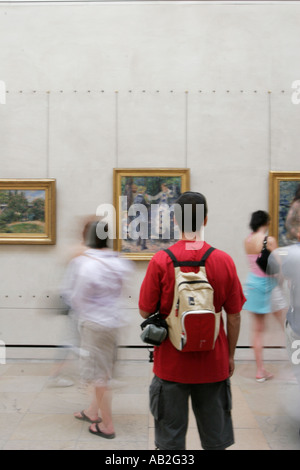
(284, 189)
(27, 211)
(144, 203)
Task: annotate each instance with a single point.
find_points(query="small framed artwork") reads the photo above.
(27, 211)
(144, 204)
(284, 191)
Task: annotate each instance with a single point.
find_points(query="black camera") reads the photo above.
(154, 330)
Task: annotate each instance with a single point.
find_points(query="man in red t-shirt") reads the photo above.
(203, 376)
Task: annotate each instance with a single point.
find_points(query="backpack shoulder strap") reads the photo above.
(206, 254)
(177, 263)
(173, 257)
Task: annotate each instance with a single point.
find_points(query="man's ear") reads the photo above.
(205, 221)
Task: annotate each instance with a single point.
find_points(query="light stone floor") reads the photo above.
(36, 416)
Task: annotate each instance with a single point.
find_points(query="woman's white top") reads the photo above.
(93, 286)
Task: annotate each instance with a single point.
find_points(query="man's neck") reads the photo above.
(192, 236)
(193, 241)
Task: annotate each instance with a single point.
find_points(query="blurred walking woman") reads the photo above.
(95, 281)
(259, 286)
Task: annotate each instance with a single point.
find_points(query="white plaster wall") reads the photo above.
(96, 86)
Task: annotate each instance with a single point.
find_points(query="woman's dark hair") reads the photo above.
(190, 211)
(91, 235)
(259, 219)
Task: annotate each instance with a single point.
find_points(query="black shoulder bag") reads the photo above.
(263, 260)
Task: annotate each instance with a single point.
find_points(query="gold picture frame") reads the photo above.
(282, 189)
(28, 211)
(156, 184)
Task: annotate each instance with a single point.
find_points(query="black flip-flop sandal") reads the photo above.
(102, 434)
(84, 417)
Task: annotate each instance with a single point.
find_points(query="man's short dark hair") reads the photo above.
(190, 211)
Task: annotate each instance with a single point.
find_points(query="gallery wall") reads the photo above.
(96, 86)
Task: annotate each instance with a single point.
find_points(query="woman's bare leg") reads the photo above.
(258, 333)
(104, 401)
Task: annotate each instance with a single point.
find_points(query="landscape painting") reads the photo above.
(27, 211)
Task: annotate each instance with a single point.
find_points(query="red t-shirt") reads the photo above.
(158, 289)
